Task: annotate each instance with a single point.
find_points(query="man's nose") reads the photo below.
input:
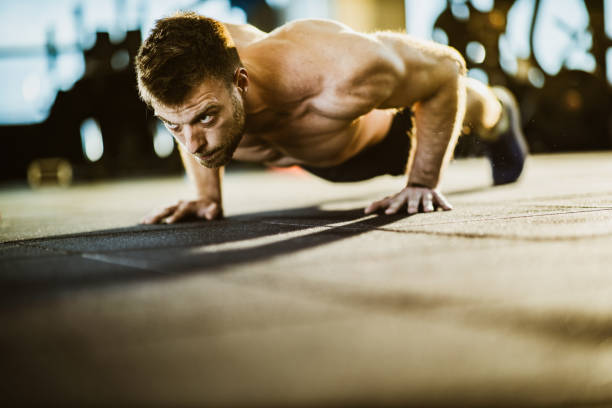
(194, 138)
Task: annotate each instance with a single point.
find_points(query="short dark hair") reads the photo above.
(182, 51)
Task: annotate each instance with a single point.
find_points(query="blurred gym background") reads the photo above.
(69, 109)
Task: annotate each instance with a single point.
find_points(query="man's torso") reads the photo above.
(317, 113)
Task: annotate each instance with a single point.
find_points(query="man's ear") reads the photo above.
(241, 79)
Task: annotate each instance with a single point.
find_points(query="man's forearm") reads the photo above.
(438, 124)
(207, 182)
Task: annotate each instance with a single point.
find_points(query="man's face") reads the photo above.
(209, 124)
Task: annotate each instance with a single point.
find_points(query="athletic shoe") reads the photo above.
(508, 153)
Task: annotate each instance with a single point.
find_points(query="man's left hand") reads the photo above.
(414, 198)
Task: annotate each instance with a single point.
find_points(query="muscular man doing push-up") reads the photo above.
(343, 105)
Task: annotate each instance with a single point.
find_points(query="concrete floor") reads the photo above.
(297, 299)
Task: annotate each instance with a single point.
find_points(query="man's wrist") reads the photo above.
(207, 195)
(418, 185)
(423, 179)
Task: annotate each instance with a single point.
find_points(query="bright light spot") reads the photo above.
(476, 52)
(31, 88)
(507, 60)
(609, 65)
(536, 77)
(116, 36)
(460, 11)
(309, 9)
(163, 143)
(120, 60)
(91, 139)
(439, 36)
(483, 5)
(70, 67)
(221, 10)
(517, 28)
(87, 39)
(478, 74)
(278, 3)
(419, 19)
(608, 17)
(561, 34)
(583, 61)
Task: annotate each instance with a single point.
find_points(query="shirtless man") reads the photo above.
(344, 105)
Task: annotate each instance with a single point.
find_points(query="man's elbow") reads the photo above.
(450, 72)
(454, 63)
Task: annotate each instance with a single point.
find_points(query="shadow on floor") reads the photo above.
(46, 266)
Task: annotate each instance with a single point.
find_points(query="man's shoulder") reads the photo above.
(323, 43)
(309, 26)
(295, 58)
(310, 58)
(313, 35)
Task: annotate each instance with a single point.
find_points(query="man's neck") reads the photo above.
(243, 35)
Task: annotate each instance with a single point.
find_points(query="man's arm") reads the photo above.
(430, 79)
(358, 72)
(432, 82)
(207, 203)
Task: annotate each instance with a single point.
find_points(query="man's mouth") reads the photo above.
(207, 156)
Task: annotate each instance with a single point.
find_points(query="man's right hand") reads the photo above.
(185, 209)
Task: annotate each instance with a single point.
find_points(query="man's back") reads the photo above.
(320, 83)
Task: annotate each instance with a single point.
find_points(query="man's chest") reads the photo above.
(294, 122)
(296, 138)
(308, 137)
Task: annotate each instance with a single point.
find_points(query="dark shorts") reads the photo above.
(389, 156)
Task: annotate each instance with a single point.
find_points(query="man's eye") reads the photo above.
(171, 126)
(206, 119)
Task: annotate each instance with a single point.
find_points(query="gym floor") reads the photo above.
(298, 299)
